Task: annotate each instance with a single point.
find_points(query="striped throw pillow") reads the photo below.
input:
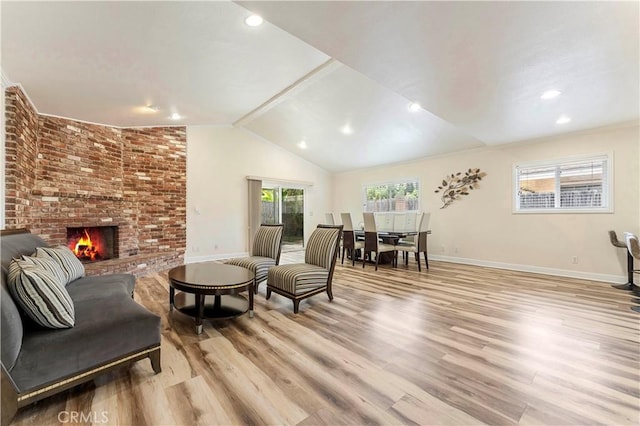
(70, 264)
(46, 263)
(42, 297)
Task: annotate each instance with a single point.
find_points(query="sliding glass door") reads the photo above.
(286, 206)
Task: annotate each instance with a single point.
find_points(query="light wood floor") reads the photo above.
(457, 345)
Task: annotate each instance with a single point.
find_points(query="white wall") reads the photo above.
(482, 228)
(2, 154)
(219, 159)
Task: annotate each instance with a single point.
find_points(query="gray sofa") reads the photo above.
(111, 329)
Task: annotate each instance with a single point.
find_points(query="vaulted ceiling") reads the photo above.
(339, 76)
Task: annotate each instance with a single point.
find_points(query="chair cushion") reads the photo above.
(257, 264)
(41, 295)
(297, 278)
(70, 264)
(382, 247)
(357, 245)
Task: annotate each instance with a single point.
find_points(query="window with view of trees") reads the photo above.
(392, 197)
(580, 184)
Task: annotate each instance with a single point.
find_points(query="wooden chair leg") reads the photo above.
(268, 292)
(155, 361)
(418, 259)
(426, 259)
(296, 306)
(343, 250)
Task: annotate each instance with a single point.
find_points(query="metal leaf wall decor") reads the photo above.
(456, 185)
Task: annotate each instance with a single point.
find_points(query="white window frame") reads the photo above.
(393, 182)
(607, 189)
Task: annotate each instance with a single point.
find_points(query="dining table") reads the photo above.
(388, 237)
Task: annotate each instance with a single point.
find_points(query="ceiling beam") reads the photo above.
(326, 68)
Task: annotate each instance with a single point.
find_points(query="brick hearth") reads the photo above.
(62, 173)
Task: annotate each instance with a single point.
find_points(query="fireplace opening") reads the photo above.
(93, 243)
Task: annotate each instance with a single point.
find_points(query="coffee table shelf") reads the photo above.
(230, 306)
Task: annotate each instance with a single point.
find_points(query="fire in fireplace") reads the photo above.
(93, 243)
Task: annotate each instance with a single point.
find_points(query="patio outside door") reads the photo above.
(286, 206)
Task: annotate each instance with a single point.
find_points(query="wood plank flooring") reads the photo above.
(455, 345)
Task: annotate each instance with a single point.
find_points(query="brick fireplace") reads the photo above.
(93, 243)
(62, 173)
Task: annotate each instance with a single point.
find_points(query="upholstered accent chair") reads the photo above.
(418, 244)
(301, 280)
(267, 246)
(372, 242)
(349, 241)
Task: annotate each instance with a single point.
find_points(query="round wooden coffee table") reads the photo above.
(197, 280)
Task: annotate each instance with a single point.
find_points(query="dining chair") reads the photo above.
(418, 244)
(372, 242)
(349, 240)
(267, 246)
(297, 281)
(329, 220)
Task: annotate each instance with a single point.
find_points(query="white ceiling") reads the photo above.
(477, 68)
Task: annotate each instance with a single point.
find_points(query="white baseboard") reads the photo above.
(613, 279)
(209, 257)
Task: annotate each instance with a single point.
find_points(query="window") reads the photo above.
(399, 196)
(574, 185)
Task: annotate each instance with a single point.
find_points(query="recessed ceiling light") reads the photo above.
(563, 119)
(415, 107)
(175, 116)
(302, 145)
(346, 129)
(152, 108)
(550, 94)
(254, 20)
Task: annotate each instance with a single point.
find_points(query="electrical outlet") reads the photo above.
(574, 260)
(195, 249)
(442, 249)
(455, 250)
(215, 247)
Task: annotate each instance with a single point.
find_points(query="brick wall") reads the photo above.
(64, 173)
(21, 134)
